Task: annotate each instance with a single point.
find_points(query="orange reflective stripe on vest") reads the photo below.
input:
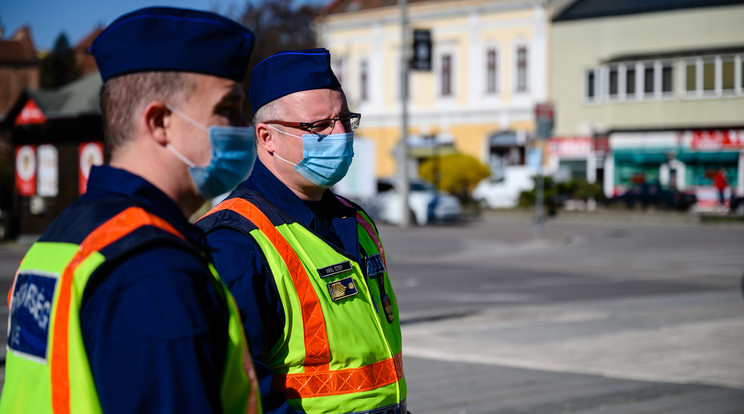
(107, 233)
(317, 353)
(343, 381)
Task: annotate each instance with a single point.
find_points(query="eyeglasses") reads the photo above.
(324, 126)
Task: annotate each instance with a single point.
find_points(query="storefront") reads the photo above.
(682, 160)
(506, 149)
(570, 158)
(56, 136)
(706, 153)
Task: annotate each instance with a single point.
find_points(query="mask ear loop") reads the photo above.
(186, 117)
(190, 120)
(179, 155)
(285, 133)
(282, 132)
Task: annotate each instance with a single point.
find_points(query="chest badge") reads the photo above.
(341, 289)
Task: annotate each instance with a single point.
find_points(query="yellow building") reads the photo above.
(489, 70)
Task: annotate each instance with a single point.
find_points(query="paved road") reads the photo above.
(612, 315)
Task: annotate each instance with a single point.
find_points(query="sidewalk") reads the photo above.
(709, 216)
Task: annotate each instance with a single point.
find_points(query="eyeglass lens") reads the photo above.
(350, 122)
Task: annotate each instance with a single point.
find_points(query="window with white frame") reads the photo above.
(613, 78)
(363, 81)
(491, 71)
(728, 74)
(691, 71)
(630, 81)
(590, 83)
(713, 75)
(522, 69)
(709, 75)
(648, 78)
(446, 75)
(667, 77)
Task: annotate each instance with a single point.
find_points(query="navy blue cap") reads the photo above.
(289, 72)
(157, 39)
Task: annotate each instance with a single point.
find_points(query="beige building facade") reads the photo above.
(489, 70)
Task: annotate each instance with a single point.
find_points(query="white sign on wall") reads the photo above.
(47, 173)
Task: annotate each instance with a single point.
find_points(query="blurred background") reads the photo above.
(546, 105)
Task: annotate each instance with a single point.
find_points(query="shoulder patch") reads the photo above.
(375, 265)
(30, 313)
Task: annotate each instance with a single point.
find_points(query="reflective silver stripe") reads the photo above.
(390, 409)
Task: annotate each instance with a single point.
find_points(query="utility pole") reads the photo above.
(403, 180)
(544, 121)
(539, 204)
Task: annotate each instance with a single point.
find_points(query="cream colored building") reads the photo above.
(658, 91)
(490, 68)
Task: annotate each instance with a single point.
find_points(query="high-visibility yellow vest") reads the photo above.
(341, 347)
(47, 368)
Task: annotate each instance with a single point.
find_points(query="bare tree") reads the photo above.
(278, 26)
(58, 67)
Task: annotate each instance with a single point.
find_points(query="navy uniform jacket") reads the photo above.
(154, 330)
(243, 267)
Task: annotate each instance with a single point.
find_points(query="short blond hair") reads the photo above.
(124, 96)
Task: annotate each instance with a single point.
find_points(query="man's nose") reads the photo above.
(338, 128)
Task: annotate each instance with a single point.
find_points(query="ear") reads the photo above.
(156, 118)
(264, 139)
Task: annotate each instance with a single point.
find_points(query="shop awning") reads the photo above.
(641, 156)
(504, 139)
(708, 157)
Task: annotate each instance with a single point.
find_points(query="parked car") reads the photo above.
(654, 195)
(503, 191)
(737, 207)
(426, 204)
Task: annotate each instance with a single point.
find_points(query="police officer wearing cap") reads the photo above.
(117, 307)
(306, 266)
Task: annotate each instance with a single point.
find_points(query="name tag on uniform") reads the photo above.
(335, 269)
(375, 265)
(30, 313)
(341, 289)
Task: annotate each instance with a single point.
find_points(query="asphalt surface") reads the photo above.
(596, 313)
(606, 313)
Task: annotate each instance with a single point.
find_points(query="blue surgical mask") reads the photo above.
(233, 156)
(325, 158)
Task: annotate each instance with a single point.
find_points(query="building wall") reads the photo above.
(13, 79)
(581, 45)
(464, 30)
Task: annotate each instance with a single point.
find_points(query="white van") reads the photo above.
(502, 191)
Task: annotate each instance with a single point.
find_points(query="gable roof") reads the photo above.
(83, 58)
(344, 6)
(79, 98)
(589, 9)
(19, 49)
